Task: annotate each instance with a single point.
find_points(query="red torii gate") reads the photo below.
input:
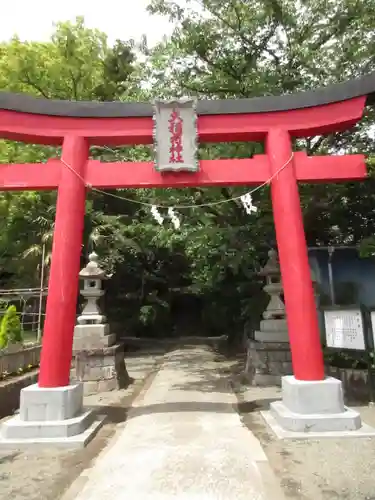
(275, 120)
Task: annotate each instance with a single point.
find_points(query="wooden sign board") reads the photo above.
(175, 136)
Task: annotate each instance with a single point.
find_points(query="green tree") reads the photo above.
(76, 64)
(10, 328)
(3, 335)
(243, 48)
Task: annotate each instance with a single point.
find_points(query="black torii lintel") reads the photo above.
(364, 86)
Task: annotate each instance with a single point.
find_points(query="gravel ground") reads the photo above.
(46, 474)
(325, 469)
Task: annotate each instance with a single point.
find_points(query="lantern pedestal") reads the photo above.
(51, 416)
(101, 369)
(267, 362)
(92, 337)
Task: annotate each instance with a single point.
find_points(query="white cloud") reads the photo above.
(123, 19)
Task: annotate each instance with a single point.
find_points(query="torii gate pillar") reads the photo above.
(303, 328)
(310, 400)
(61, 309)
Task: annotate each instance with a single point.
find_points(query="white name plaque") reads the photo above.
(373, 326)
(175, 136)
(345, 329)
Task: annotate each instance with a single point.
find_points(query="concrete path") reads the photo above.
(182, 440)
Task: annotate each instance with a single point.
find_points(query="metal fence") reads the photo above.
(30, 304)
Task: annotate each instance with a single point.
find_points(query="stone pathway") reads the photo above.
(44, 474)
(183, 439)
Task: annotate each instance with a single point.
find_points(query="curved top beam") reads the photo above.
(364, 86)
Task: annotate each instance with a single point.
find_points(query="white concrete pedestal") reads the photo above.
(50, 416)
(313, 408)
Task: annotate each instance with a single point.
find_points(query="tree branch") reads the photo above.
(207, 92)
(312, 149)
(34, 85)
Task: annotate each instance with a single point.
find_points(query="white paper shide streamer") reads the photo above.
(174, 219)
(171, 214)
(247, 202)
(157, 215)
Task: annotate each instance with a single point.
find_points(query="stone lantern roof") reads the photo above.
(93, 270)
(272, 267)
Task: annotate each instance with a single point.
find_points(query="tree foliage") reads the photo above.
(203, 276)
(10, 327)
(237, 48)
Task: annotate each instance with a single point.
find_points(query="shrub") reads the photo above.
(10, 329)
(3, 334)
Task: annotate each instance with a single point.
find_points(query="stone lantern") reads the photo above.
(273, 327)
(93, 277)
(268, 353)
(98, 359)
